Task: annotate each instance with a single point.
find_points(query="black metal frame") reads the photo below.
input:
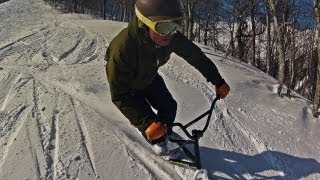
(193, 139)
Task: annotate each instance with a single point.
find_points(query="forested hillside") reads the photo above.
(278, 37)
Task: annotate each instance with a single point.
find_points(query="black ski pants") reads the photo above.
(159, 97)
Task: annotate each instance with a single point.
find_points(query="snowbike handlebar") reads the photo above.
(197, 134)
(193, 139)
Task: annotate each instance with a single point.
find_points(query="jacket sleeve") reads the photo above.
(120, 72)
(186, 49)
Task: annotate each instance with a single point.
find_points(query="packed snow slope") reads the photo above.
(57, 120)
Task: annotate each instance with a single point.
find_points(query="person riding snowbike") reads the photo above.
(134, 57)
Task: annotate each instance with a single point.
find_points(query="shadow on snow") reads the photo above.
(239, 166)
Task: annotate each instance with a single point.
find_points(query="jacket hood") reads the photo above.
(138, 31)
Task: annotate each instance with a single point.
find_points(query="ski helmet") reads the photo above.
(150, 8)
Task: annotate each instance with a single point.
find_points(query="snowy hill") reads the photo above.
(57, 120)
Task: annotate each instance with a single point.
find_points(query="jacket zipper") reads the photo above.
(158, 60)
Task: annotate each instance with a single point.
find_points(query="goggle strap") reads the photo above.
(144, 19)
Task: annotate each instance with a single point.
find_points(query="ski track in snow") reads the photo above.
(85, 138)
(32, 53)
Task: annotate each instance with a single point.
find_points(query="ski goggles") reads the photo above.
(162, 27)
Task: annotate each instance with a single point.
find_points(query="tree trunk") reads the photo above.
(104, 9)
(132, 4)
(199, 33)
(292, 54)
(185, 27)
(187, 10)
(191, 21)
(268, 56)
(253, 42)
(317, 92)
(124, 12)
(231, 46)
(279, 27)
(74, 6)
(316, 99)
(206, 28)
(215, 37)
(241, 45)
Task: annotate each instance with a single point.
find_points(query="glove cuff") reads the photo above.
(220, 82)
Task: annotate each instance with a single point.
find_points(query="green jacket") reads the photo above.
(133, 61)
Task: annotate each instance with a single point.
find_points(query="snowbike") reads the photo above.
(194, 138)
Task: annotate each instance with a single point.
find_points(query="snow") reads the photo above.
(58, 122)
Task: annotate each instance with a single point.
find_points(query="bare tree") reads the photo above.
(124, 9)
(268, 55)
(206, 29)
(292, 45)
(253, 11)
(207, 17)
(188, 11)
(229, 19)
(240, 11)
(280, 27)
